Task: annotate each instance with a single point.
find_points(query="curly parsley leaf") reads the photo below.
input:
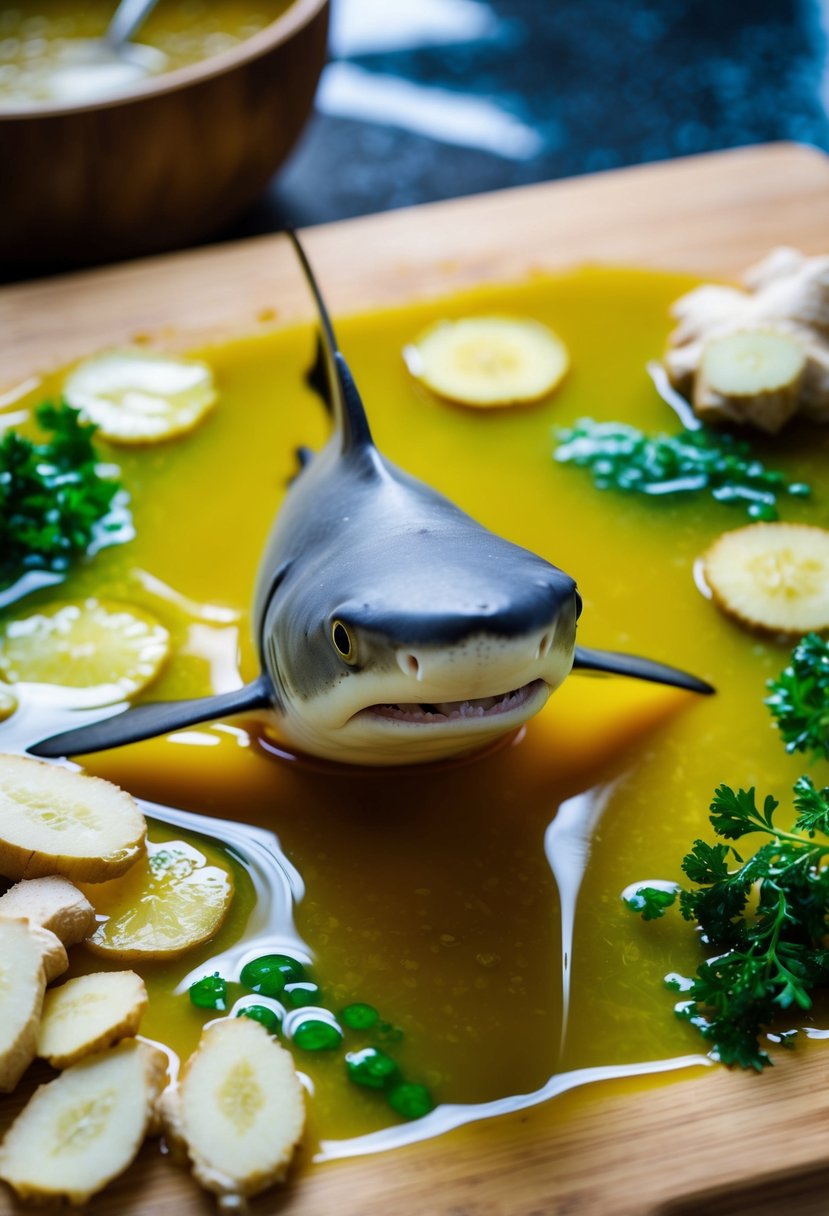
(769, 915)
(799, 698)
(650, 902)
(54, 498)
(812, 806)
(735, 815)
(707, 862)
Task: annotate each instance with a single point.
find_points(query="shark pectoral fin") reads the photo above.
(155, 718)
(612, 663)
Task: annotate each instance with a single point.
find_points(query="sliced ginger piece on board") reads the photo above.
(89, 1013)
(487, 362)
(171, 902)
(29, 958)
(83, 1129)
(238, 1110)
(703, 309)
(773, 577)
(54, 821)
(54, 903)
(751, 376)
(139, 396)
(112, 648)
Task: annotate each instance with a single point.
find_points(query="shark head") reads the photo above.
(421, 637)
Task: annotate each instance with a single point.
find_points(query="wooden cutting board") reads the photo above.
(715, 1142)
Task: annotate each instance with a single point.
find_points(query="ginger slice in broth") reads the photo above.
(110, 650)
(139, 396)
(486, 362)
(170, 903)
(54, 821)
(772, 577)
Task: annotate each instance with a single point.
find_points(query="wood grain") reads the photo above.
(710, 214)
(716, 1142)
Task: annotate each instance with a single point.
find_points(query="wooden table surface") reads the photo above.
(715, 1142)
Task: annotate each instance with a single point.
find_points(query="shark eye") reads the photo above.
(343, 642)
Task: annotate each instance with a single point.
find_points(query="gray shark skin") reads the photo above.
(391, 627)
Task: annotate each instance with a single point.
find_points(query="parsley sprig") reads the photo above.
(54, 498)
(620, 457)
(768, 915)
(799, 698)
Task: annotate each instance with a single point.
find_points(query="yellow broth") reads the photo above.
(37, 37)
(429, 893)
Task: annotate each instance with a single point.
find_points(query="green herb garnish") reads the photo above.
(319, 1031)
(359, 1016)
(262, 1014)
(54, 499)
(269, 973)
(766, 916)
(799, 698)
(623, 458)
(410, 1100)
(371, 1068)
(210, 992)
(314, 1034)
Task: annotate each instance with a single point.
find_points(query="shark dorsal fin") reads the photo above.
(349, 413)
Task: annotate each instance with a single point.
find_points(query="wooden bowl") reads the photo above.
(164, 165)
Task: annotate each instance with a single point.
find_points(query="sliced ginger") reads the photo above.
(29, 958)
(139, 396)
(83, 1129)
(54, 821)
(168, 904)
(89, 1013)
(487, 362)
(238, 1110)
(113, 650)
(773, 577)
(53, 903)
(786, 301)
(751, 376)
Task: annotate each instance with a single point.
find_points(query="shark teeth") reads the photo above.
(435, 713)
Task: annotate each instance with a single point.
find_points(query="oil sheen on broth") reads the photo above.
(430, 893)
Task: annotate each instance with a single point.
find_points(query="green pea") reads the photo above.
(371, 1068)
(270, 973)
(763, 511)
(359, 1016)
(260, 1013)
(315, 1035)
(210, 992)
(411, 1101)
(301, 994)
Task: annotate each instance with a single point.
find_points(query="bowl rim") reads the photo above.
(296, 16)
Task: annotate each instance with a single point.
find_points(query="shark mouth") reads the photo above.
(475, 709)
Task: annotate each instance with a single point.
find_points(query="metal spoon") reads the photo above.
(93, 68)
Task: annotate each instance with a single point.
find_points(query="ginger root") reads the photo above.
(786, 300)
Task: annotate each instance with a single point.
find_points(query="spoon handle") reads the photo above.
(128, 16)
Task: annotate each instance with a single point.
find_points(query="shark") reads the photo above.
(391, 627)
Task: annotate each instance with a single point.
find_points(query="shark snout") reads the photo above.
(484, 663)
